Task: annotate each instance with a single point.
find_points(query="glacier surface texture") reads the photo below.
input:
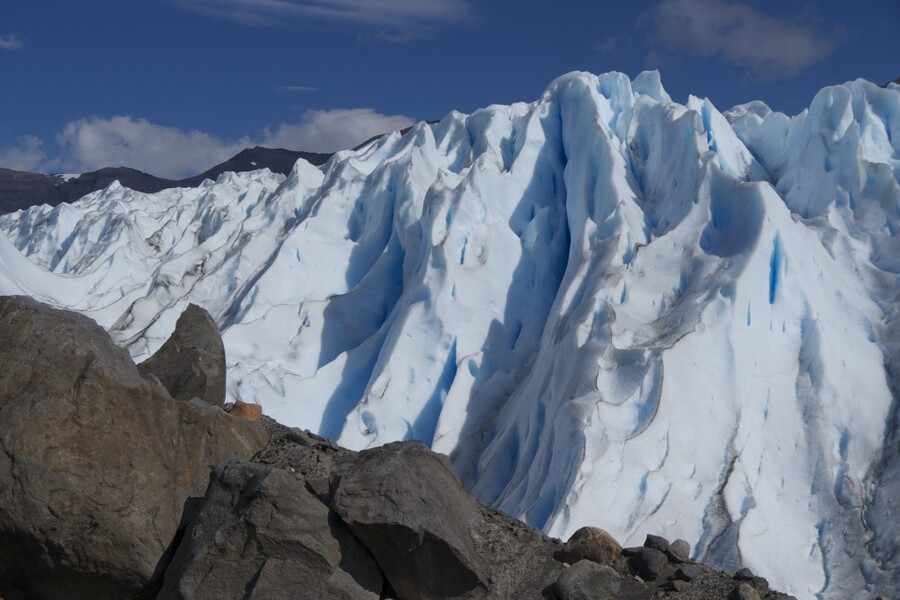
(607, 307)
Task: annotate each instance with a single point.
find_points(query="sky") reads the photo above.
(173, 87)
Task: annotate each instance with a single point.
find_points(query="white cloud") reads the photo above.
(769, 46)
(360, 12)
(11, 41)
(89, 144)
(331, 130)
(93, 143)
(28, 155)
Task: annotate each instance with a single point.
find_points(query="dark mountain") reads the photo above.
(19, 189)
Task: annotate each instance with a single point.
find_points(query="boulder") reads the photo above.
(258, 533)
(649, 563)
(407, 506)
(191, 363)
(587, 580)
(745, 591)
(96, 462)
(656, 542)
(688, 572)
(679, 551)
(594, 544)
(760, 584)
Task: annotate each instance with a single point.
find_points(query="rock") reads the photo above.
(96, 462)
(656, 542)
(678, 585)
(406, 505)
(249, 412)
(688, 572)
(631, 551)
(592, 543)
(761, 584)
(258, 533)
(679, 551)
(649, 563)
(519, 561)
(587, 580)
(191, 363)
(745, 592)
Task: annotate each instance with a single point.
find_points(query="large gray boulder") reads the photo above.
(191, 363)
(96, 462)
(518, 560)
(587, 580)
(260, 534)
(409, 509)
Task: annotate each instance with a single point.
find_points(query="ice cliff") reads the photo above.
(607, 307)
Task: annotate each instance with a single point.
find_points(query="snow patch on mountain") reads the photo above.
(608, 308)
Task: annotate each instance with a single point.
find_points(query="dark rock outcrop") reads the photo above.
(260, 533)
(409, 509)
(515, 560)
(96, 462)
(191, 363)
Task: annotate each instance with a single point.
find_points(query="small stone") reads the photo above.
(679, 551)
(688, 572)
(587, 580)
(745, 592)
(649, 563)
(679, 585)
(591, 543)
(244, 410)
(744, 574)
(656, 542)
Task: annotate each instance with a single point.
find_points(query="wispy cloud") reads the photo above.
(92, 143)
(26, 155)
(383, 37)
(11, 41)
(768, 46)
(296, 88)
(394, 13)
(331, 130)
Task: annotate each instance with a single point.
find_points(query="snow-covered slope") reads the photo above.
(608, 308)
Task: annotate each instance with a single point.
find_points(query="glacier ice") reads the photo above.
(608, 308)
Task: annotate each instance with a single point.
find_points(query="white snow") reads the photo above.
(63, 177)
(608, 308)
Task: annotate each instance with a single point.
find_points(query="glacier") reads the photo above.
(606, 307)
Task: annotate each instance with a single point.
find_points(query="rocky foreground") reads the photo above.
(124, 481)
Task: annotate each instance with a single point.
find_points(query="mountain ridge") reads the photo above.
(21, 189)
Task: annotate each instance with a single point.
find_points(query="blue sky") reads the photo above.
(174, 86)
